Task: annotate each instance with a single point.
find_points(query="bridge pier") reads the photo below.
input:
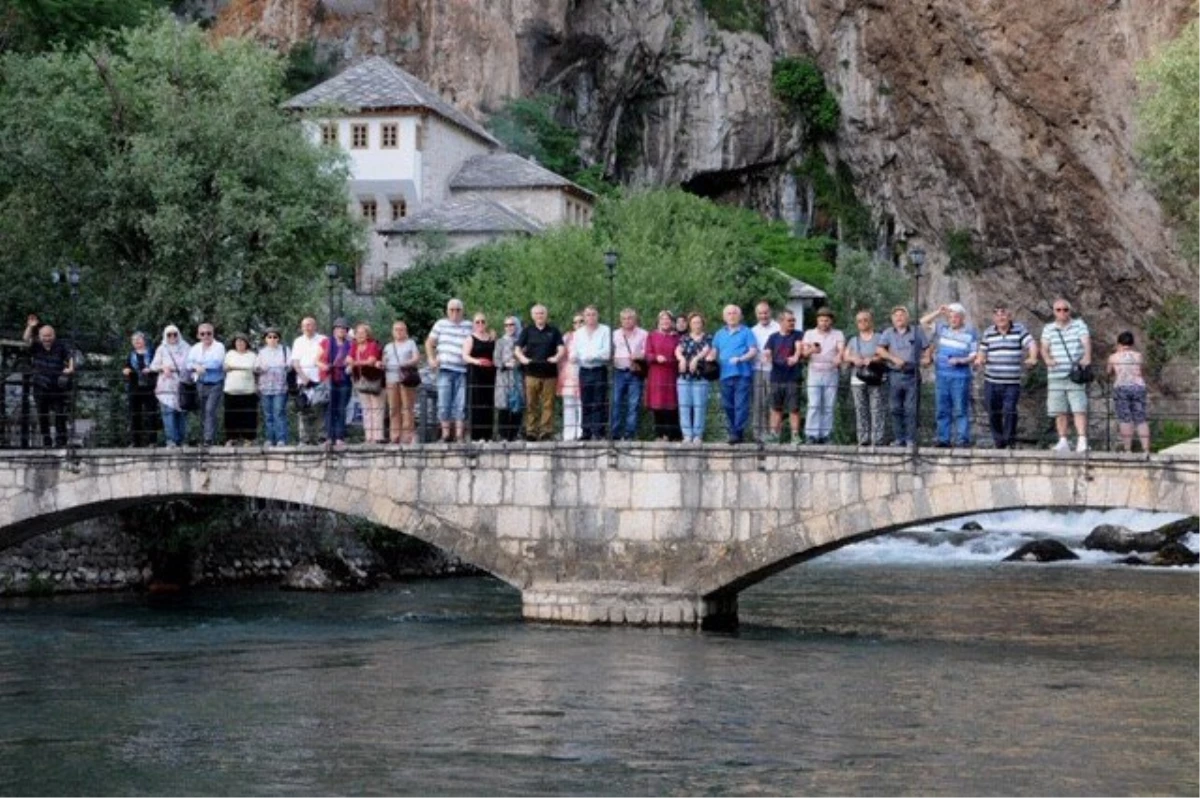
(621, 604)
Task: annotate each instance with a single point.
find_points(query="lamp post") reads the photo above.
(331, 273)
(72, 278)
(916, 256)
(610, 264)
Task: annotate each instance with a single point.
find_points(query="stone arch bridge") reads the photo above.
(660, 534)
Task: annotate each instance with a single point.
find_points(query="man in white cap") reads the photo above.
(956, 346)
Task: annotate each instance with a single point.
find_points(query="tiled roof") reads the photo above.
(466, 214)
(507, 170)
(377, 84)
(798, 289)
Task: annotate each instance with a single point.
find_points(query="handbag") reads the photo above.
(709, 370)
(869, 375)
(189, 396)
(318, 394)
(1079, 374)
(410, 377)
(368, 385)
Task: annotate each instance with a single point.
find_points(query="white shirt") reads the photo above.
(592, 348)
(305, 352)
(761, 333)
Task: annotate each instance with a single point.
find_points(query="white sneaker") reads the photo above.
(1081, 445)
(1063, 445)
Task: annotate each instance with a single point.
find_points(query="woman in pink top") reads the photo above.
(823, 347)
(568, 384)
(1129, 392)
(662, 397)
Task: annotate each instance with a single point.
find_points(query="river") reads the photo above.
(900, 665)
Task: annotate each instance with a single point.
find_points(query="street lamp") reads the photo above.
(610, 264)
(331, 273)
(916, 256)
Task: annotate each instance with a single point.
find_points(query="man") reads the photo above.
(1065, 342)
(53, 366)
(763, 386)
(1000, 351)
(955, 346)
(784, 352)
(736, 350)
(539, 349)
(444, 350)
(629, 373)
(823, 346)
(306, 351)
(592, 351)
(206, 360)
(903, 348)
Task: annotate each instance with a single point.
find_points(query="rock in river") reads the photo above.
(1041, 551)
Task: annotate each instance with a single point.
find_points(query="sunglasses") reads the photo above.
(272, 335)
(1062, 310)
(579, 321)
(481, 321)
(206, 335)
(510, 324)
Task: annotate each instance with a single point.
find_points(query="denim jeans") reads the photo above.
(210, 405)
(593, 395)
(451, 395)
(902, 388)
(174, 425)
(1001, 403)
(274, 409)
(627, 395)
(335, 414)
(735, 401)
(954, 409)
(693, 407)
(818, 422)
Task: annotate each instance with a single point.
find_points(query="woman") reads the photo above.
(568, 385)
(364, 364)
(140, 379)
(510, 383)
(271, 366)
(870, 412)
(241, 403)
(1129, 392)
(822, 347)
(400, 359)
(691, 386)
(170, 364)
(661, 394)
(479, 352)
(332, 365)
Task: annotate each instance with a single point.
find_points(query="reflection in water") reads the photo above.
(843, 679)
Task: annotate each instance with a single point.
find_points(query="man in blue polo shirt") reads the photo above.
(955, 346)
(736, 350)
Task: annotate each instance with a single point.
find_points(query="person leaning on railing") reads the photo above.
(139, 382)
(53, 368)
(170, 364)
(271, 366)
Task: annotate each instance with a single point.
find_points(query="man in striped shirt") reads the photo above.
(1065, 342)
(1005, 348)
(444, 349)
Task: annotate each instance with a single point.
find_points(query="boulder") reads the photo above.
(1177, 529)
(1175, 553)
(307, 577)
(1122, 540)
(1041, 551)
(972, 526)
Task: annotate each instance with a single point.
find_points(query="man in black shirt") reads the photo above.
(52, 369)
(539, 349)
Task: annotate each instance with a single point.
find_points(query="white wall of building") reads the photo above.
(550, 206)
(446, 148)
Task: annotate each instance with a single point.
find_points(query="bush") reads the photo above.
(738, 15)
(960, 249)
(1165, 434)
(799, 85)
(1173, 331)
(863, 283)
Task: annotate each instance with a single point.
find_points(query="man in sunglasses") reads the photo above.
(1066, 342)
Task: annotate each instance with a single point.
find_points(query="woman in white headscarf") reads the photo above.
(510, 387)
(170, 363)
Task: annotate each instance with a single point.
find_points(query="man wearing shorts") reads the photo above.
(783, 349)
(1065, 342)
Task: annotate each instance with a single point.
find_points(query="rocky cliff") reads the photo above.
(1008, 120)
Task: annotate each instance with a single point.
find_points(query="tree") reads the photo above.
(1168, 140)
(38, 25)
(165, 167)
(528, 128)
(862, 283)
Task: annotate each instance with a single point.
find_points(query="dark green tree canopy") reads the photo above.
(165, 167)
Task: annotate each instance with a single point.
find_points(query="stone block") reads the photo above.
(782, 490)
(513, 522)
(487, 488)
(635, 525)
(591, 488)
(532, 488)
(564, 488)
(617, 489)
(673, 524)
(657, 490)
(439, 486)
(850, 488)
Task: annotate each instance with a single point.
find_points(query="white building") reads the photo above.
(419, 165)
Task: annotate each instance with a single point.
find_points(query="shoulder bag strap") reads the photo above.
(1066, 348)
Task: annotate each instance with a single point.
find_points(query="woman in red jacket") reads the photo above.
(365, 364)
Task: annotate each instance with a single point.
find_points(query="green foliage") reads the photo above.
(528, 128)
(307, 67)
(806, 259)
(419, 295)
(31, 26)
(799, 85)
(1168, 138)
(165, 167)
(840, 214)
(1165, 434)
(861, 282)
(960, 248)
(738, 15)
(1173, 332)
(677, 251)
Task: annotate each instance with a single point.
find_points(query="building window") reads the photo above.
(420, 137)
(329, 134)
(389, 136)
(369, 210)
(399, 209)
(358, 137)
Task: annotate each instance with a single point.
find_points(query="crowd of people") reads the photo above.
(503, 386)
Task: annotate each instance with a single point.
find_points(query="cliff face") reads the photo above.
(1012, 120)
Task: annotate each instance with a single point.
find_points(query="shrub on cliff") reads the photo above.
(1168, 139)
(164, 166)
(799, 85)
